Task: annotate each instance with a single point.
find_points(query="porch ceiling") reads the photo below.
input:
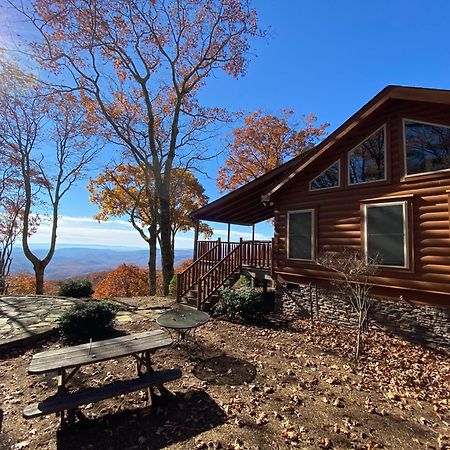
(244, 206)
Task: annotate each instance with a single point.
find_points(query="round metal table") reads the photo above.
(184, 322)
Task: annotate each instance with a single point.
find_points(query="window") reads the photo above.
(385, 231)
(427, 147)
(301, 235)
(327, 179)
(367, 161)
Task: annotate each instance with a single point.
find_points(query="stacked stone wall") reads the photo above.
(429, 325)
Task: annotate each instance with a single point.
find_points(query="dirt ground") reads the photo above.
(272, 386)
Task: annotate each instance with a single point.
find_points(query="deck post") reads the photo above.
(229, 235)
(220, 249)
(253, 232)
(241, 240)
(196, 229)
(178, 287)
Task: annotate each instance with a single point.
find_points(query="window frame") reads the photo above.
(313, 234)
(349, 183)
(405, 161)
(323, 171)
(406, 232)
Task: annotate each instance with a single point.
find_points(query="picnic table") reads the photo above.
(67, 361)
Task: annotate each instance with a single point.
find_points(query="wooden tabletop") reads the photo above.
(79, 355)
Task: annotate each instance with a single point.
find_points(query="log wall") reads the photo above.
(338, 210)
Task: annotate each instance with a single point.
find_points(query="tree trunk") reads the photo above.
(39, 276)
(166, 242)
(152, 259)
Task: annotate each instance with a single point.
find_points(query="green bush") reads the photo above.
(173, 286)
(245, 303)
(245, 281)
(88, 319)
(76, 288)
(3, 285)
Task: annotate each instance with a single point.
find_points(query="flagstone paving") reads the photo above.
(31, 317)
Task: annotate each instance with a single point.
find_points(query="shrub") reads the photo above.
(76, 288)
(245, 303)
(245, 281)
(173, 286)
(3, 285)
(88, 319)
(124, 281)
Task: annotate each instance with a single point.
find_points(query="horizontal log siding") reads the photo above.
(339, 210)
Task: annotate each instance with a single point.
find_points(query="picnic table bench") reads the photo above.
(66, 361)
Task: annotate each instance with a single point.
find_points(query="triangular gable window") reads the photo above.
(366, 161)
(329, 178)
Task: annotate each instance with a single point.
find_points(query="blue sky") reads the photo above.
(325, 57)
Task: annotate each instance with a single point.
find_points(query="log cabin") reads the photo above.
(379, 183)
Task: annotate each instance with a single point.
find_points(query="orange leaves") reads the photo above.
(263, 143)
(121, 192)
(125, 281)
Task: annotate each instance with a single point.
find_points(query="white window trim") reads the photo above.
(349, 183)
(313, 233)
(406, 249)
(405, 119)
(323, 171)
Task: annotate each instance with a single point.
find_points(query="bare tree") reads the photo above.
(140, 66)
(352, 281)
(11, 208)
(45, 137)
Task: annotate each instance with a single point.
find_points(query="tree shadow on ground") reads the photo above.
(171, 420)
(225, 370)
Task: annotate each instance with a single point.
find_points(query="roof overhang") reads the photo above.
(243, 206)
(252, 202)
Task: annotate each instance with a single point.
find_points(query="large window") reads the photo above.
(386, 234)
(327, 179)
(367, 161)
(427, 147)
(301, 235)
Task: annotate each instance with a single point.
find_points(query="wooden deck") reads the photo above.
(217, 262)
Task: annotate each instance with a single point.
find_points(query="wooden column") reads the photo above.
(253, 232)
(229, 235)
(197, 224)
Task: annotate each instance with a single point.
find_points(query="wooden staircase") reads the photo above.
(220, 265)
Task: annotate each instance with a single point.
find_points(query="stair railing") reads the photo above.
(212, 280)
(189, 277)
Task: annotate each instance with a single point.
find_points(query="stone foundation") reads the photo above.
(429, 325)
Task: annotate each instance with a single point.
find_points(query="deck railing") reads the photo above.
(257, 254)
(217, 262)
(190, 276)
(212, 280)
(204, 246)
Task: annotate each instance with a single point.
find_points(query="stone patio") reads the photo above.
(24, 319)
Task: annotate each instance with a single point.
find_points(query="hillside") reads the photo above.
(80, 261)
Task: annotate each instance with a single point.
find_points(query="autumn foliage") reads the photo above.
(25, 284)
(183, 265)
(140, 67)
(124, 281)
(264, 142)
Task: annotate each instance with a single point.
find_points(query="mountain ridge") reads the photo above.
(72, 262)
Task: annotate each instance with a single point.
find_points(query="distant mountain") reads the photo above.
(71, 262)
